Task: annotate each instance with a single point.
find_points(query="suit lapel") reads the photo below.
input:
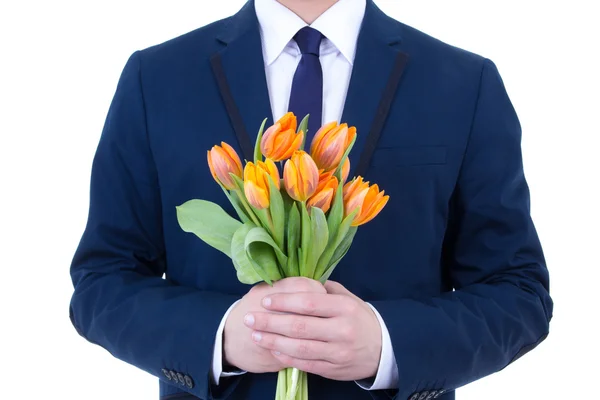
(376, 75)
(240, 73)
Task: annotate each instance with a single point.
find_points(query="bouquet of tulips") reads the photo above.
(301, 225)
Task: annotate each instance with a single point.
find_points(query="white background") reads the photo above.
(59, 65)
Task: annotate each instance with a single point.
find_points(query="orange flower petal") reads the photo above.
(256, 196)
(233, 156)
(374, 212)
(346, 170)
(320, 134)
(272, 170)
(321, 200)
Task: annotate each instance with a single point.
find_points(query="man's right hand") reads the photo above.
(239, 350)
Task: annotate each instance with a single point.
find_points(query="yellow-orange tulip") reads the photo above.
(223, 160)
(280, 141)
(256, 182)
(324, 194)
(300, 176)
(367, 199)
(330, 144)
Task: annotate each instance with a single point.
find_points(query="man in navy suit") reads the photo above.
(446, 286)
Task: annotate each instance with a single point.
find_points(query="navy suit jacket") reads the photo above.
(453, 263)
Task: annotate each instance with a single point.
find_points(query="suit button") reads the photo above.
(189, 382)
(167, 374)
(415, 396)
(423, 395)
(173, 376)
(439, 393)
(432, 395)
(181, 378)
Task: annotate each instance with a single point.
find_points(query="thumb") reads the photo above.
(334, 287)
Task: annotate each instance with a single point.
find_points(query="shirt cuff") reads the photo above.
(217, 361)
(387, 373)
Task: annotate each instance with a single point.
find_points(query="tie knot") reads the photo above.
(309, 40)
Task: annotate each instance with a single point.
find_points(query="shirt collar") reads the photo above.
(340, 24)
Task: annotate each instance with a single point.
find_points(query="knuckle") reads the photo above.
(344, 356)
(309, 366)
(298, 328)
(303, 350)
(268, 341)
(261, 322)
(303, 285)
(351, 306)
(347, 332)
(308, 306)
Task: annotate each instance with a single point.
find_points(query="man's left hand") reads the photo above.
(335, 335)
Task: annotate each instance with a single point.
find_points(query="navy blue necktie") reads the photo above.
(307, 86)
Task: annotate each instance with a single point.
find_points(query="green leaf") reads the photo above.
(276, 208)
(327, 256)
(237, 204)
(288, 202)
(292, 268)
(257, 152)
(244, 268)
(319, 239)
(339, 253)
(261, 250)
(209, 222)
(336, 213)
(293, 240)
(305, 239)
(304, 128)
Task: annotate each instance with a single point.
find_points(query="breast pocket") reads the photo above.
(407, 156)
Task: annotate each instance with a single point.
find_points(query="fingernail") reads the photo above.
(249, 319)
(256, 336)
(266, 301)
(277, 353)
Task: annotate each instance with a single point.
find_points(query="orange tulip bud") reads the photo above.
(300, 176)
(223, 160)
(280, 141)
(325, 191)
(256, 182)
(368, 200)
(330, 143)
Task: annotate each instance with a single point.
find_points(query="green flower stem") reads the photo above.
(281, 385)
(293, 379)
(248, 209)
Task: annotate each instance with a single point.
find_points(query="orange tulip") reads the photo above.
(330, 144)
(256, 182)
(324, 194)
(223, 160)
(300, 176)
(281, 140)
(367, 199)
(345, 170)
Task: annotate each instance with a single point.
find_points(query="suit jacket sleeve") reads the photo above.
(120, 301)
(501, 307)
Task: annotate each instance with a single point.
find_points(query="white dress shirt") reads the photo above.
(340, 25)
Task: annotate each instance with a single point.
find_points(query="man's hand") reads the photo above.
(334, 334)
(239, 349)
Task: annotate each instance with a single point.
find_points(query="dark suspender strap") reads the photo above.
(232, 110)
(382, 111)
